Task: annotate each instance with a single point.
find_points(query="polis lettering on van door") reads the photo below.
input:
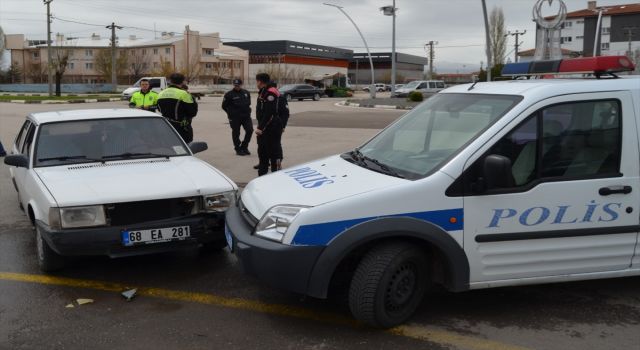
(557, 215)
(309, 178)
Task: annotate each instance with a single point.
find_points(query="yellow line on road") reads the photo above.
(411, 331)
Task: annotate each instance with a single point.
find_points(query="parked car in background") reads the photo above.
(301, 92)
(160, 83)
(379, 87)
(427, 87)
(115, 182)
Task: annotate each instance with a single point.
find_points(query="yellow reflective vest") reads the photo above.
(140, 99)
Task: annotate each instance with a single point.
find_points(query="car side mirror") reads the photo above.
(197, 147)
(497, 172)
(17, 160)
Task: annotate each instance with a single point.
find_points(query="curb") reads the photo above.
(89, 100)
(353, 104)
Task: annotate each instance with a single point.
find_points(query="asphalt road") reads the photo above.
(193, 300)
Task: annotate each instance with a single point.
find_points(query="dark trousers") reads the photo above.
(270, 150)
(185, 131)
(245, 123)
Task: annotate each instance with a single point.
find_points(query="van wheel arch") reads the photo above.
(448, 262)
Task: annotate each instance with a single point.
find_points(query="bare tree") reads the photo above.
(103, 63)
(60, 59)
(164, 69)
(192, 69)
(221, 70)
(138, 64)
(497, 32)
(36, 72)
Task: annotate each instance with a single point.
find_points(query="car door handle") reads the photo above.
(606, 191)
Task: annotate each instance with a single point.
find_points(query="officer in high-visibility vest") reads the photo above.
(145, 98)
(178, 106)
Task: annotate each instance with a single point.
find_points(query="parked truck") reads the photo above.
(160, 83)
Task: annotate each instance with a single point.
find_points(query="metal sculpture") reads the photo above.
(548, 39)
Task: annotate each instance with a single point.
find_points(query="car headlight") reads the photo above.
(75, 217)
(276, 221)
(219, 203)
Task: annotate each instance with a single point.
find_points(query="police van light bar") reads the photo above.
(585, 65)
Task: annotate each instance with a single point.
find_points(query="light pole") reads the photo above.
(372, 87)
(391, 11)
(598, 36)
(49, 68)
(486, 30)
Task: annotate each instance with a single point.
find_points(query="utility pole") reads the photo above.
(517, 43)
(49, 68)
(431, 55)
(488, 38)
(630, 34)
(114, 74)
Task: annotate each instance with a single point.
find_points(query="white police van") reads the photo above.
(484, 185)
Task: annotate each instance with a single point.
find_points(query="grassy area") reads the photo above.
(57, 98)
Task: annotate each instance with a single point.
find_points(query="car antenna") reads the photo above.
(472, 86)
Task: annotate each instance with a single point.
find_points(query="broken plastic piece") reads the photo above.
(69, 306)
(129, 294)
(84, 301)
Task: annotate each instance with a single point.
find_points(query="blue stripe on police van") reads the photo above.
(322, 234)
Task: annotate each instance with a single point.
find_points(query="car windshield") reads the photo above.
(419, 142)
(412, 84)
(103, 140)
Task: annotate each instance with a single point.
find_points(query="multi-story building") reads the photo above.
(408, 68)
(619, 34)
(201, 57)
(294, 62)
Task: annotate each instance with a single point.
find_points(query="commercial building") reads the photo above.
(294, 62)
(619, 34)
(408, 68)
(201, 57)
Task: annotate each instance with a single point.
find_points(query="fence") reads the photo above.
(64, 88)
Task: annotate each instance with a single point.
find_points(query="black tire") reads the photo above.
(316, 97)
(288, 97)
(301, 99)
(48, 259)
(389, 284)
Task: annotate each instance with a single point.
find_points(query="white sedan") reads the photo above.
(115, 182)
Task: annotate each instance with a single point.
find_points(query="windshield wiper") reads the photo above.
(128, 155)
(65, 158)
(362, 159)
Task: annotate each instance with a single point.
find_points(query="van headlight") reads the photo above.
(276, 221)
(218, 203)
(89, 216)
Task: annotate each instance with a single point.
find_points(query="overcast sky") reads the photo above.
(456, 24)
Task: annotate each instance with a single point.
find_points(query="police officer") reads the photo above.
(145, 98)
(270, 126)
(237, 104)
(178, 106)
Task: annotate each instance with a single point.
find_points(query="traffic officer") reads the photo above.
(270, 126)
(178, 106)
(237, 104)
(145, 98)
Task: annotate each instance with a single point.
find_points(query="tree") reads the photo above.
(221, 71)
(103, 63)
(138, 65)
(192, 69)
(60, 59)
(12, 75)
(497, 33)
(36, 72)
(164, 69)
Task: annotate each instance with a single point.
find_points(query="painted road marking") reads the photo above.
(418, 332)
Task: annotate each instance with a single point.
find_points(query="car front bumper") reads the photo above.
(205, 228)
(280, 265)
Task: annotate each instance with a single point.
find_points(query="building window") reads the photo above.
(580, 37)
(167, 50)
(580, 21)
(155, 51)
(606, 30)
(208, 52)
(567, 24)
(35, 54)
(604, 46)
(208, 65)
(88, 65)
(88, 53)
(565, 39)
(155, 65)
(144, 52)
(70, 65)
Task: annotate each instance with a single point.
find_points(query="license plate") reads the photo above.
(227, 235)
(156, 235)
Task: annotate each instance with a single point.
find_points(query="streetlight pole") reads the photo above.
(486, 30)
(372, 88)
(49, 68)
(391, 11)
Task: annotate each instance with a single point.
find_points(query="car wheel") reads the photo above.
(316, 97)
(48, 259)
(389, 284)
(288, 97)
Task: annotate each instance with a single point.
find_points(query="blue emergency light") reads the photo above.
(585, 65)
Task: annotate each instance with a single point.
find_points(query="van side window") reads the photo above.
(432, 85)
(440, 85)
(570, 141)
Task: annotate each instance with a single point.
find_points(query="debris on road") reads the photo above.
(84, 301)
(69, 306)
(129, 294)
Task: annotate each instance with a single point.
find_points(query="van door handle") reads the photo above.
(606, 191)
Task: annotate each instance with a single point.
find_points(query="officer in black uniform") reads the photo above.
(270, 126)
(237, 104)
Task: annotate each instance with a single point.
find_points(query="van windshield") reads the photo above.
(412, 84)
(422, 140)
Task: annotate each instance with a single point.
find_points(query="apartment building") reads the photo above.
(203, 58)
